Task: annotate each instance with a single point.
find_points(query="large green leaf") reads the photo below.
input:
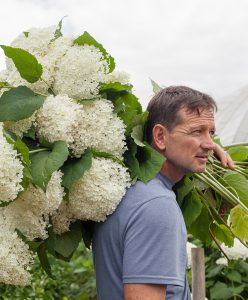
(66, 243)
(191, 207)
(239, 183)
(220, 291)
(19, 103)
(143, 162)
(25, 62)
(238, 153)
(183, 188)
(43, 164)
(200, 227)
(223, 234)
(239, 222)
(74, 168)
(137, 135)
(41, 251)
(86, 38)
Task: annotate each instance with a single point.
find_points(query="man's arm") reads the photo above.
(224, 157)
(144, 291)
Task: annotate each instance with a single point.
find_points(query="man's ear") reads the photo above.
(159, 134)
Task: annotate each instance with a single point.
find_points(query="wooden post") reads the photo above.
(198, 274)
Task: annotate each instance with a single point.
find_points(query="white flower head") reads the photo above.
(57, 118)
(222, 261)
(237, 251)
(31, 210)
(79, 72)
(62, 219)
(99, 128)
(15, 258)
(11, 170)
(35, 40)
(98, 192)
(118, 76)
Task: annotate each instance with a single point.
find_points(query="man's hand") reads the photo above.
(144, 291)
(224, 157)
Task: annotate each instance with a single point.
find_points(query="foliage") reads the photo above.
(223, 281)
(74, 280)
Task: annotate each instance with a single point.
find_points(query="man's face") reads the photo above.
(189, 143)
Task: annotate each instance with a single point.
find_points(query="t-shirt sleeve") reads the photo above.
(154, 244)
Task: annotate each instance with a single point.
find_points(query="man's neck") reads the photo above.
(171, 172)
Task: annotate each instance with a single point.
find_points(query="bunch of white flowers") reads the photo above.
(31, 210)
(97, 194)
(70, 109)
(11, 170)
(237, 251)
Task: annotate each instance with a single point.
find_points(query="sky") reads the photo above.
(199, 43)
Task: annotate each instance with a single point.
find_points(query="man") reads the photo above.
(140, 250)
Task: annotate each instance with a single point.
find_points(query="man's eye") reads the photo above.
(212, 133)
(197, 131)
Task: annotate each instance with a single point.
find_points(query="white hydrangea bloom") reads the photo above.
(20, 127)
(36, 41)
(57, 118)
(29, 212)
(10, 170)
(237, 251)
(118, 76)
(79, 72)
(98, 192)
(189, 257)
(99, 128)
(222, 261)
(62, 219)
(15, 257)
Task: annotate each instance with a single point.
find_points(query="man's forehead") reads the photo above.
(196, 116)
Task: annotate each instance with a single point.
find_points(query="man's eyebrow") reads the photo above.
(201, 127)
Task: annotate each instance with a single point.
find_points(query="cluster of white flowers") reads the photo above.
(118, 76)
(97, 194)
(10, 170)
(79, 72)
(57, 118)
(189, 257)
(72, 73)
(99, 128)
(15, 259)
(237, 251)
(31, 210)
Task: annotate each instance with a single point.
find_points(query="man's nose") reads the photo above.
(207, 143)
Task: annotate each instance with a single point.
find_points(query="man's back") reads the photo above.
(143, 241)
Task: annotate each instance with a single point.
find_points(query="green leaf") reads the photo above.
(115, 88)
(220, 291)
(88, 230)
(191, 207)
(21, 147)
(239, 222)
(155, 87)
(58, 32)
(43, 164)
(239, 183)
(143, 162)
(137, 135)
(41, 251)
(4, 203)
(19, 103)
(238, 153)
(26, 63)
(31, 133)
(26, 33)
(107, 155)
(200, 227)
(66, 243)
(215, 271)
(75, 168)
(223, 234)
(182, 188)
(234, 276)
(86, 38)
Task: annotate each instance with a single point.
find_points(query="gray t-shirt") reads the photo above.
(143, 241)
